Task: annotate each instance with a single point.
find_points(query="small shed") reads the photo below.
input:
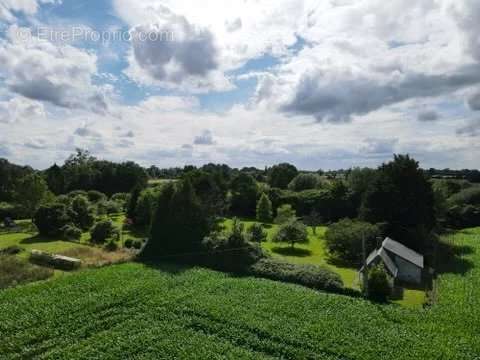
(400, 261)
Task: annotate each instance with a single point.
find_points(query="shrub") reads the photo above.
(50, 219)
(111, 245)
(13, 211)
(145, 207)
(264, 209)
(128, 243)
(15, 271)
(281, 175)
(291, 232)
(314, 277)
(304, 182)
(231, 251)
(379, 283)
(285, 213)
(72, 232)
(469, 196)
(137, 244)
(256, 233)
(95, 196)
(11, 250)
(75, 193)
(109, 207)
(344, 239)
(81, 212)
(102, 231)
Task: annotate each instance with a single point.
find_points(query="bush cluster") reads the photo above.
(311, 276)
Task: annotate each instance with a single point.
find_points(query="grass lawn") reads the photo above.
(27, 239)
(315, 253)
(137, 311)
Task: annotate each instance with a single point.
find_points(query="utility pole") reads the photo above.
(365, 270)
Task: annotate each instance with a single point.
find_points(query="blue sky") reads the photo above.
(320, 84)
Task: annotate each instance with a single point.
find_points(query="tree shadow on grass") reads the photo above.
(289, 251)
(38, 239)
(451, 260)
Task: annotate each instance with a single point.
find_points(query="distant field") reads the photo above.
(136, 311)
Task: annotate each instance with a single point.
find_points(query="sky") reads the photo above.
(322, 84)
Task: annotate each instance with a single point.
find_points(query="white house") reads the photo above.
(401, 262)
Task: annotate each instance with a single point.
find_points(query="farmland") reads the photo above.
(137, 311)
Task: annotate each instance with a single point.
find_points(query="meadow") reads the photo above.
(168, 311)
(315, 253)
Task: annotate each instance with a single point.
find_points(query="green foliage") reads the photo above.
(15, 271)
(304, 181)
(279, 176)
(179, 224)
(256, 233)
(111, 245)
(71, 232)
(132, 202)
(13, 211)
(102, 231)
(358, 182)
(344, 240)
(459, 217)
(292, 232)
(10, 174)
(469, 196)
(82, 214)
(243, 198)
(109, 207)
(95, 196)
(379, 283)
(264, 209)
(128, 243)
(402, 197)
(211, 189)
(50, 219)
(311, 276)
(30, 192)
(231, 251)
(138, 311)
(313, 219)
(137, 244)
(285, 213)
(145, 208)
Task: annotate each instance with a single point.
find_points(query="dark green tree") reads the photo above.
(264, 209)
(344, 240)
(244, 191)
(401, 196)
(179, 224)
(304, 182)
(30, 192)
(292, 232)
(285, 213)
(50, 219)
(82, 213)
(132, 202)
(281, 175)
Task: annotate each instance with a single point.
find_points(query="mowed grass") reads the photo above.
(28, 239)
(166, 312)
(312, 253)
(315, 253)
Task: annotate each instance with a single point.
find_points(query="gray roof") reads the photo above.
(403, 252)
(382, 254)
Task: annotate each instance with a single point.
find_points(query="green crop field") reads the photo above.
(135, 311)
